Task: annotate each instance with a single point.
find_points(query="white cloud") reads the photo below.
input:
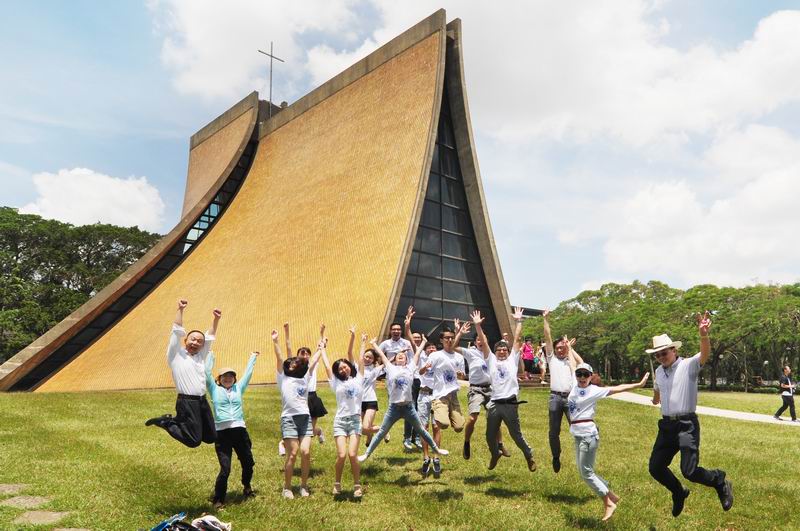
(82, 196)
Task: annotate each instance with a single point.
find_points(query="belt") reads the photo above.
(425, 390)
(482, 386)
(686, 416)
(580, 421)
(559, 393)
(191, 397)
(509, 400)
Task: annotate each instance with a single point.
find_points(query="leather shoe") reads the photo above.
(678, 501)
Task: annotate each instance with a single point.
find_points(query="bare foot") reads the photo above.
(610, 508)
(613, 497)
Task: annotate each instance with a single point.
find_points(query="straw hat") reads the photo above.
(662, 342)
(225, 370)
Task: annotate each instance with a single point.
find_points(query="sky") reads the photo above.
(619, 140)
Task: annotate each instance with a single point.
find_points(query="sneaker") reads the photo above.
(386, 438)
(321, 437)
(725, 493)
(287, 493)
(337, 488)
(531, 464)
(795, 420)
(362, 458)
(418, 443)
(466, 452)
(776, 417)
(304, 492)
(556, 464)
(218, 505)
(503, 450)
(426, 467)
(248, 493)
(357, 491)
(678, 501)
(493, 461)
(408, 445)
(437, 469)
(281, 449)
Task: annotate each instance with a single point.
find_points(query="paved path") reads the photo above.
(703, 410)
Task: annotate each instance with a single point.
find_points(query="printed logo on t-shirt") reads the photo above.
(301, 391)
(401, 383)
(449, 376)
(485, 368)
(582, 392)
(351, 391)
(572, 407)
(502, 373)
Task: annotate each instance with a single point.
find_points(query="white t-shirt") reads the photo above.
(188, 372)
(350, 393)
(445, 367)
(312, 381)
(369, 382)
(390, 347)
(294, 394)
(581, 403)
(478, 366)
(399, 380)
(425, 380)
(678, 386)
(561, 377)
(504, 375)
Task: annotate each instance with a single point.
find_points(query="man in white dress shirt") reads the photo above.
(679, 429)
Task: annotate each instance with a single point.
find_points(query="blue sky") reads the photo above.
(629, 140)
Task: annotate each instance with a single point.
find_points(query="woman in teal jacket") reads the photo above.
(226, 395)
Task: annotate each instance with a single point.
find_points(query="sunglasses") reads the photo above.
(583, 374)
(661, 353)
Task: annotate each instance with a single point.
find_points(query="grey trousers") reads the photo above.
(508, 413)
(557, 409)
(585, 453)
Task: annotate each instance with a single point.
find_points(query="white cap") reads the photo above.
(585, 366)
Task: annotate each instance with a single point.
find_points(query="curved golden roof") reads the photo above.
(331, 195)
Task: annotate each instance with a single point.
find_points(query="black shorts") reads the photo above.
(316, 408)
(369, 404)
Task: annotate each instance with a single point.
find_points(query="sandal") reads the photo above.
(357, 492)
(337, 488)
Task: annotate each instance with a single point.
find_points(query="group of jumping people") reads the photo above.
(422, 383)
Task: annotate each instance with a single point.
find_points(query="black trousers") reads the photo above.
(788, 401)
(408, 428)
(228, 441)
(680, 436)
(193, 422)
(557, 409)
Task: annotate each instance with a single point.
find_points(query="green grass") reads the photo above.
(92, 454)
(765, 404)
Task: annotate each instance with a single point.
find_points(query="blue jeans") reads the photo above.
(585, 453)
(394, 413)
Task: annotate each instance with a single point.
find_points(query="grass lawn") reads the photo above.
(93, 455)
(765, 404)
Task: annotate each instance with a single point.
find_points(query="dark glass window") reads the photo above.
(445, 278)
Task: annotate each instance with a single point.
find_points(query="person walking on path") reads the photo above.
(582, 401)
(193, 423)
(560, 386)
(226, 395)
(679, 427)
(787, 390)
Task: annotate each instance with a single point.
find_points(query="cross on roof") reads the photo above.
(271, 57)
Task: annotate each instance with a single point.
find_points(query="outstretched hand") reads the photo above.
(517, 315)
(352, 330)
(465, 328)
(476, 317)
(704, 322)
(545, 313)
(364, 337)
(255, 353)
(274, 336)
(644, 379)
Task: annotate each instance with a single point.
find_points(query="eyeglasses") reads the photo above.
(448, 338)
(582, 374)
(661, 353)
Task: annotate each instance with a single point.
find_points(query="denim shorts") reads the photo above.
(345, 426)
(424, 408)
(296, 426)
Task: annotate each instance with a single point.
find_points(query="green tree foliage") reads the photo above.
(756, 329)
(49, 268)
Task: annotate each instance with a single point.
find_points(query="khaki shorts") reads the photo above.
(476, 397)
(447, 412)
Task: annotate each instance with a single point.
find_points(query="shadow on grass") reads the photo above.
(499, 492)
(346, 497)
(585, 522)
(570, 499)
(372, 470)
(312, 472)
(477, 480)
(447, 494)
(406, 481)
(394, 461)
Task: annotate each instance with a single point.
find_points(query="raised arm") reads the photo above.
(312, 362)
(703, 324)
(210, 383)
(361, 350)
(287, 340)
(460, 331)
(477, 320)
(215, 321)
(248, 372)
(518, 318)
(326, 362)
(419, 350)
(351, 343)
(548, 339)
(179, 314)
(407, 324)
(571, 343)
(277, 348)
(377, 348)
(573, 362)
(627, 387)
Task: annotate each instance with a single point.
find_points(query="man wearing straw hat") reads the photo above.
(679, 429)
